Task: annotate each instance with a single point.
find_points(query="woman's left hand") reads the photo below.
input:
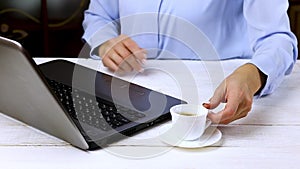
(237, 91)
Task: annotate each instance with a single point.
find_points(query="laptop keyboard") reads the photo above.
(91, 110)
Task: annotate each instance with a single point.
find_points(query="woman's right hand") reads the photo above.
(122, 55)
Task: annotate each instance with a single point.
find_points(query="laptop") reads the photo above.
(82, 106)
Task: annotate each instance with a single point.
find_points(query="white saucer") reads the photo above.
(211, 136)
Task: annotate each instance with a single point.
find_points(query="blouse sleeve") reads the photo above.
(273, 44)
(100, 23)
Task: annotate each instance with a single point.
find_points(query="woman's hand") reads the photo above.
(122, 55)
(237, 90)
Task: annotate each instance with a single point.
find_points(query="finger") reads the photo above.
(134, 63)
(116, 63)
(240, 113)
(125, 67)
(128, 57)
(115, 57)
(131, 53)
(214, 117)
(141, 59)
(230, 110)
(107, 62)
(122, 50)
(232, 106)
(217, 98)
(134, 48)
(125, 56)
(239, 103)
(141, 54)
(222, 116)
(238, 116)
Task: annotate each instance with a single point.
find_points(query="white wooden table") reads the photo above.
(269, 137)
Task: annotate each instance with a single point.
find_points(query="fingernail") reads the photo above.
(206, 105)
(141, 70)
(143, 61)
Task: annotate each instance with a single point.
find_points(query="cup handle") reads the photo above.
(208, 123)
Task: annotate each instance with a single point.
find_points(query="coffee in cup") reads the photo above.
(189, 121)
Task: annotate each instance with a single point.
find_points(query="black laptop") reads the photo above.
(84, 107)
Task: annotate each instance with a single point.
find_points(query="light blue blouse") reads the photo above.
(258, 30)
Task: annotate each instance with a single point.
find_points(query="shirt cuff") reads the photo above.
(275, 59)
(98, 38)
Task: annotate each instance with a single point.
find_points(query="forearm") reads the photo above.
(274, 45)
(275, 57)
(253, 77)
(100, 23)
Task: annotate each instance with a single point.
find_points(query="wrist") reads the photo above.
(263, 79)
(256, 79)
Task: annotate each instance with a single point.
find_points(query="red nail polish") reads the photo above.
(206, 105)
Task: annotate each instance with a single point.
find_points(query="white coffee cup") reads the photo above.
(189, 121)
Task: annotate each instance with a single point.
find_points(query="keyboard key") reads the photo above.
(93, 111)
